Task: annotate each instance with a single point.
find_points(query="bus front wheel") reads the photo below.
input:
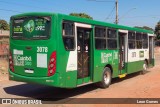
(106, 78)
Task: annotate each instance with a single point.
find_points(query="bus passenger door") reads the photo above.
(83, 54)
(122, 53)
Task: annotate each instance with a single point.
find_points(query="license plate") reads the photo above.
(29, 71)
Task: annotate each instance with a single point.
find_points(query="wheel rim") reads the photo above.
(107, 78)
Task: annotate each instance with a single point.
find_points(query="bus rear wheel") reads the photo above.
(106, 78)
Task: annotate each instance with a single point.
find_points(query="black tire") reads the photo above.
(106, 78)
(145, 67)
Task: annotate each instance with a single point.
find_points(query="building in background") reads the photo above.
(4, 44)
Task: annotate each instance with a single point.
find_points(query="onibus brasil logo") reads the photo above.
(29, 26)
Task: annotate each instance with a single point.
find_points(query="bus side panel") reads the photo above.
(67, 78)
(135, 66)
(98, 66)
(97, 75)
(102, 58)
(71, 78)
(115, 63)
(136, 58)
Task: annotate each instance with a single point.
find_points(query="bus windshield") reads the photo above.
(31, 27)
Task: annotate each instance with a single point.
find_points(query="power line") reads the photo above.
(112, 18)
(111, 13)
(116, 7)
(10, 10)
(147, 16)
(102, 0)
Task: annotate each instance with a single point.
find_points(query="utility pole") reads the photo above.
(116, 21)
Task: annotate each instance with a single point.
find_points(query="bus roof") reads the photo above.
(87, 21)
(100, 23)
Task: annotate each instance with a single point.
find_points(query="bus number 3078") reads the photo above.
(42, 49)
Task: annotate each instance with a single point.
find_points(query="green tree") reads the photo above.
(144, 27)
(82, 15)
(4, 25)
(148, 28)
(157, 31)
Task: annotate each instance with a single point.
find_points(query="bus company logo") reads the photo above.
(115, 54)
(105, 57)
(22, 60)
(29, 26)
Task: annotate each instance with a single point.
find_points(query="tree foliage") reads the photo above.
(157, 31)
(82, 15)
(4, 25)
(144, 27)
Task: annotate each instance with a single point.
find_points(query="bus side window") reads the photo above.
(145, 41)
(100, 38)
(139, 40)
(111, 38)
(131, 40)
(68, 42)
(68, 35)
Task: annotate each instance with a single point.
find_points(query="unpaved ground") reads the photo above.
(133, 86)
(3, 69)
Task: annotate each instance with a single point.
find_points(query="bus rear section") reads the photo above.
(32, 54)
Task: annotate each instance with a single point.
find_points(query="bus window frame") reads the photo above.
(30, 16)
(145, 40)
(132, 39)
(116, 38)
(140, 40)
(104, 38)
(74, 34)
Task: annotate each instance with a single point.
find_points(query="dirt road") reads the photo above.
(133, 86)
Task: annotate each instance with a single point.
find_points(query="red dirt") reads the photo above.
(139, 86)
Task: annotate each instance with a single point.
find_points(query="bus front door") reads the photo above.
(83, 53)
(122, 54)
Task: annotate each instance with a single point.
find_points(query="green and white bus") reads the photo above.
(66, 51)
